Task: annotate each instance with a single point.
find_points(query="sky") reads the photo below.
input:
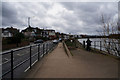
(66, 17)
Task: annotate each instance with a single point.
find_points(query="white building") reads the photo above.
(6, 34)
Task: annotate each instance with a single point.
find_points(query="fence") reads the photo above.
(31, 54)
(109, 47)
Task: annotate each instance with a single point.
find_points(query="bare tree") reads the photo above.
(111, 32)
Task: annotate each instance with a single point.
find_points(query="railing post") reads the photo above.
(100, 46)
(12, 65)
(94, 44)
(46, 48)
(50, 46)
(43, 49)
(84, 44)
(30, 57)
(109, 46)
(38, 52)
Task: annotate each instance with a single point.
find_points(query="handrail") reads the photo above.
(99, 45)
(45, 49)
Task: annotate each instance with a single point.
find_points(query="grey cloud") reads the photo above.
(90, 13)
(87, 13)
(82, 6)
(9, 15)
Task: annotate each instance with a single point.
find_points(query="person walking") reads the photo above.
(88, 44)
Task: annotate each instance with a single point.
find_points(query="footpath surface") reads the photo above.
(82, 64)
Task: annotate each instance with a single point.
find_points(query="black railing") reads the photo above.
(41, 49)
(103, 46)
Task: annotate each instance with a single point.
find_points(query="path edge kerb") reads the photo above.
(67, 51)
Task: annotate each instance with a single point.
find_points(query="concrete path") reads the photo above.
(82, 65)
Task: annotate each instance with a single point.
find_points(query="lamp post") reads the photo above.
(28, 21)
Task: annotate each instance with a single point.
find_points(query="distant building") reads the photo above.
(65, 36)
(49, 33)
(114, 35)
(39, 33)
(29, 32)
(58, 35)
(83, 35)
(71, 36)
(77, 36)
(32, 32)
(45, 33)
(6, 33)
(9, 32)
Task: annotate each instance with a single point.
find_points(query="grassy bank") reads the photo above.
(71, 44)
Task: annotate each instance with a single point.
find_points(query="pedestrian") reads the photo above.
(88, 44)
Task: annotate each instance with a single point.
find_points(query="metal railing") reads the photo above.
(41, 50)
(102, 46)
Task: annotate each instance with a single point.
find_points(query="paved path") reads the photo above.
(82, 65)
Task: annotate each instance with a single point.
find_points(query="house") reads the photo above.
(65, 36)
(58, 35)
(77, 36)
(38, 32)
(83, 35)
(6, 34)
(49, 33)
(45, 33)
(114, 35)
(9, 32)
(71, 36)
(32, 32)
(29, 32)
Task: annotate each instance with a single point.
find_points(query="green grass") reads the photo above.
(69, 43)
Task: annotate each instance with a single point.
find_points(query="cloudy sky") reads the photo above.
(67, 17)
